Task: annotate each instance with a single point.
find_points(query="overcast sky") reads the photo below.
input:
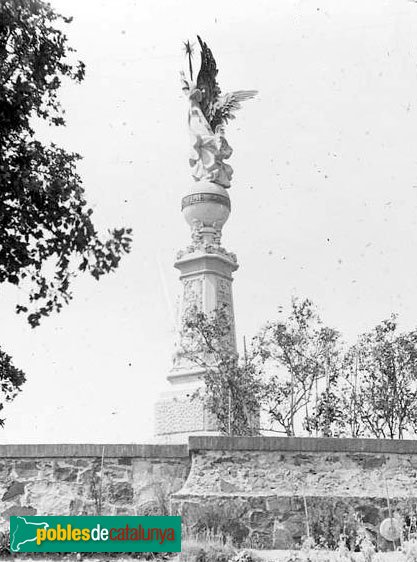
(324, 197)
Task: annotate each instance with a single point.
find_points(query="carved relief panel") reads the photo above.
(225, 301)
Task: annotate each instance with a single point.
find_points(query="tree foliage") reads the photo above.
(369, 390)
(46, 231)
(11, 381)
(386, 361)
(47, 235)
(376, 392)
(299, 374)
(232, 387)
(295, 354)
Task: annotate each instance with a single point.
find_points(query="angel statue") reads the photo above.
(208, 113)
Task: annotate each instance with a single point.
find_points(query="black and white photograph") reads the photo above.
(208, 274)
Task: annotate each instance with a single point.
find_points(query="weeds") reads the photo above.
(220, 521)
(206, 547)
(96, 483)
(4, 544)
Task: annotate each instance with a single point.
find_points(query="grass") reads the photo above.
(206, 547)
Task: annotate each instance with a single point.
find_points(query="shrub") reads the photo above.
(246, 556)
(409, 549)
(206, 549)
(222, 521)
(329, 520)
(4, 543)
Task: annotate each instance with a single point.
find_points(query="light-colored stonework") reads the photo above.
(206, 270)
(205, 266)
(294, 474)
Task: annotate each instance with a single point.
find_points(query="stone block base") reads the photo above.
(178, 415)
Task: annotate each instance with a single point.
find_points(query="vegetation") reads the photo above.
(375, 392)
(47, 235)
(211, 547)
(11, 381)
(208, 548)
(223, 522)
(233, 387)
(300, 376)
(295, 355)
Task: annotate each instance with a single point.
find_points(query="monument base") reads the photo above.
(206, 270)
(178, 415)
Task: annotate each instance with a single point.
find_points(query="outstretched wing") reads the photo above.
(206, 81)
(226, 105)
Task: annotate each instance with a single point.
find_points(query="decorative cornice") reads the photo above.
(207, 250)
(194, 198)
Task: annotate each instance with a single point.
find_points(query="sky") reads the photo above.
(324, 196)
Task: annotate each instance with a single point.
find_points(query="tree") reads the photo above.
(376, 393)
(386, 364)
(46, 231)
(297, 373)
(47, 234)
(232, 388)
(295, 354)
(11, 381)
(330, 415)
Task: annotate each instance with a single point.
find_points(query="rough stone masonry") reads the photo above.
(262, 484)
(272, 485)
(89, 479)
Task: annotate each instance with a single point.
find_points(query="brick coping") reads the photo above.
(302, 444)
(51, 450)
(212, 443)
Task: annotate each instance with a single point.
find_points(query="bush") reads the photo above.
(246, 556)
(329, 520)
(219, 520)
(208, 549)
(4, 543)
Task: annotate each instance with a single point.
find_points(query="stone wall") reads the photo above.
(268, 485)
(263, 490)
(66, 479)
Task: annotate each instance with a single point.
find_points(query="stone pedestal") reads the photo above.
(206, 275)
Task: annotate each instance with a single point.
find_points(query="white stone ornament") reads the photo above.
(208, 112)
(390, 529)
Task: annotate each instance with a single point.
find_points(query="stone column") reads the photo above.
(206, 275)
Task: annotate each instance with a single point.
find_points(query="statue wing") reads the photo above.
(206, 81)
(226, 105)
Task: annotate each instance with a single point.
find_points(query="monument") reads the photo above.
(205, 267)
